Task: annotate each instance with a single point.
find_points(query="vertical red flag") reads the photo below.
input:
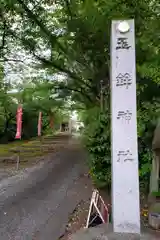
(39, 123)
(19, 122)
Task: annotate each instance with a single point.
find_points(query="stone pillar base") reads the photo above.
(105, 232)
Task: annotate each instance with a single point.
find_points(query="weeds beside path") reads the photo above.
(30, 152)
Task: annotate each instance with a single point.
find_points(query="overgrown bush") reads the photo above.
(148, 114)
(97, 141)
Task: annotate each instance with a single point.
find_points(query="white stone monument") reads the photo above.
(125, 177)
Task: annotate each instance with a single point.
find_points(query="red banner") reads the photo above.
(19, 122)
(39, 123)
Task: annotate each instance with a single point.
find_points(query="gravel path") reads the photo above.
(36, 203)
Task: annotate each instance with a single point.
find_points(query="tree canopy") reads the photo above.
(72, 38)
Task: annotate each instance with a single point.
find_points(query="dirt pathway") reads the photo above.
(36, 204)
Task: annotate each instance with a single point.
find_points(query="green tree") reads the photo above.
(34, 96)
(76, 37)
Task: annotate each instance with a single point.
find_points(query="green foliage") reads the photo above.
(148, 114)
(97, 141)
(34, 97)
(77, 36)
(156, 194)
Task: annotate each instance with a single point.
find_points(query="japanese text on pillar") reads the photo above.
(124, 156)
(122, 43)
(125, 116)
(124, 80)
